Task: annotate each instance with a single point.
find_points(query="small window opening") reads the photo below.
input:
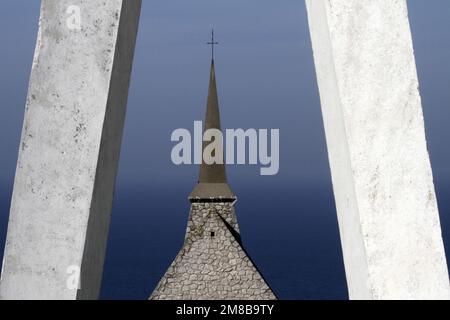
(213, 234)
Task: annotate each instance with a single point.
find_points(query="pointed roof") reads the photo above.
(212, 183)
(212, 257)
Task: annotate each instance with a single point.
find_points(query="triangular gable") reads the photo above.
(212, 265)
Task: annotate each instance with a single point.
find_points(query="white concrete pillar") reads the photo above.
(381, 172)
(69, 151)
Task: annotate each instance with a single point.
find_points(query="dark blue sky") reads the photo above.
(266, 79)
(265, 75)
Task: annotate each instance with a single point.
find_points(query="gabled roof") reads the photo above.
(215, 268)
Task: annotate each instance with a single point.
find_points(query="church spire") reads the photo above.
(214, 173)
(212, 183)
(212, 240)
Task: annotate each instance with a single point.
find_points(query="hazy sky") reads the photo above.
(265, 76)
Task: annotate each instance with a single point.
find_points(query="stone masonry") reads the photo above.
(212, 263)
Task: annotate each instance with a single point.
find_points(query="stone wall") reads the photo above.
(199, 212)
(212, 263)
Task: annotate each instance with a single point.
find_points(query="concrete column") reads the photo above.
(69, 151)
(382, 179)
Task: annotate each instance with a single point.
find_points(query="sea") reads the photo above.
(291, 234)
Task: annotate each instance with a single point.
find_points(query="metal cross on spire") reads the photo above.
(212, 43)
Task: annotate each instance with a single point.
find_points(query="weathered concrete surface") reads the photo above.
(69, 151)
(382, 178)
